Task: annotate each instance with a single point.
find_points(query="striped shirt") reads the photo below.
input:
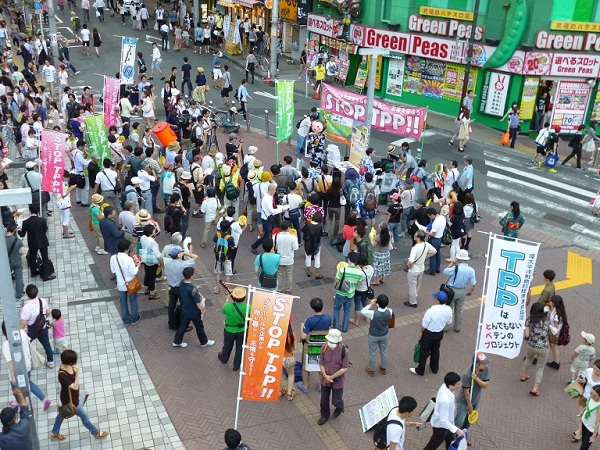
(353, 275)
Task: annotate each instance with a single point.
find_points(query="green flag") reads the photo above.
(285, 109)
(97, 136)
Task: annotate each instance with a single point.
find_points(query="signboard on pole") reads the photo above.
(97, 137)
(128, 45)
(401, 120)
(285, 109)
(570, 105)
(510, 270)
(358, 146)
(112, 88)
(267, 331)
(52, 155)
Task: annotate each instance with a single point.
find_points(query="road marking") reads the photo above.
(148, 37)
(579, 272)
(265, 94)
(426, 133)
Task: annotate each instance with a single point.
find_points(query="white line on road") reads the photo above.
(264, 94)
(148, 37)
(426, 133)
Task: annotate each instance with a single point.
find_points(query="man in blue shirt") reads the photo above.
(186, 70)
(243, 96)
(465, 182)
(192, 310)
(461, 275)
(15, 435)
(315, 323)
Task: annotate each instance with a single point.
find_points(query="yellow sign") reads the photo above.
(579, 272)
(288, 9)
(378, 73)
(446, 13)
(563, 25)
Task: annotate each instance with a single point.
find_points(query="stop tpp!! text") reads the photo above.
(275, 340)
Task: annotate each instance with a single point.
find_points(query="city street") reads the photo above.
(188, 391)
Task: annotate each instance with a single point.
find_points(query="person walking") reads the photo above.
(576, 144)
(125, 268)
(34, 307)
(460, 275)
(36, 229)
(68, 378)
(251, 63)
(558, 319)
(464, 131)
(396, 422)
(192, 310)
(442, 419)
(436, 318)
(346, 279)
(514, 124)
(512, 222)
(334, 361)
(235, 310)
(378, 332)
(537, 327)
(589, 142)
(474, 381)
(97, 39)
(156, 62)
(416, 266)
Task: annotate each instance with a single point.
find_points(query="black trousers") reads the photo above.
(576, 152)
(185, 322)
(228, 340)
(150, 276)
(439, 435)
(33, 256)
(337, 399)
(430, 348)
(173, 299)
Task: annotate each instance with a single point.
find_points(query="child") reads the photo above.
(58, 332)
(582, 355)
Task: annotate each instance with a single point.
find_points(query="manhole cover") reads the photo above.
(559, 219)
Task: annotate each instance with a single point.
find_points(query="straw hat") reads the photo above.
(97, 199)
(142, 215)
(257, 163)
(212, 151)
(233, 109)
(251, 175)
(238, 293)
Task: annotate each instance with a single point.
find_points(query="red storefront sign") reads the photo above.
(320, 25)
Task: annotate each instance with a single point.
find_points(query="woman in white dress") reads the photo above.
(148, 107)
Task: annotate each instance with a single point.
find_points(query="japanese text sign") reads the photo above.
(97, 137)
(510, 271)
(53, 161)
(267, 331)
(401, 120)
(111, 101)
(285, 109)
(128, 45)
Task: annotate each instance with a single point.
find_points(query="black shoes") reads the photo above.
(410, 304)
(337, 412)
(554, 365)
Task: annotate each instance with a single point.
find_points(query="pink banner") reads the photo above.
(53, 157)
(405, 121)
(112, 88)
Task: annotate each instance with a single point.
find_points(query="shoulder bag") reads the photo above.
(69, 410)
(370, 291)
(35, 193)
(343, 285)
(447, 289)
(116, 185)
(266, 281)
(37, 359)
(405, 266)
(34, 330)
(132, 285)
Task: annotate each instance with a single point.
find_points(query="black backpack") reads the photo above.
(250, 190)
(380, 433)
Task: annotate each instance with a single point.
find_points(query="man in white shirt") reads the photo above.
(416, 266)
(85, 39)
(146, 175)
(442, 419)
(434, 321)
(396, 422)
(164, 34)
(452, 177)
(331, 69)
(303, 131)
(106, 180)
(269, 210)
(156, 61)
(79, 165)
(285, 245)
(438, 226)
(50, 76)
(125, 268)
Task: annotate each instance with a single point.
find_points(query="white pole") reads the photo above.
(244, 347)
(306, 71)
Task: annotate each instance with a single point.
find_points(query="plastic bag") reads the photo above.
(505, 139)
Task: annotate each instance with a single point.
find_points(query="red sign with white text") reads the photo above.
(320, 25)
(52, 155)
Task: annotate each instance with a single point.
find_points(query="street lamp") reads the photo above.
(372, 53)
(9, 308)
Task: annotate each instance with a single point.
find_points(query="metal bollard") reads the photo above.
(248, 126)
(289, 141)
(267, 123)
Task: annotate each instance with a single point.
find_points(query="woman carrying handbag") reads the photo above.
(68, 378)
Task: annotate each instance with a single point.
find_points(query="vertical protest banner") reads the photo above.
(509, 273)
(97, 136)
(284, 90)
(52, 155)
(266, 336)
(110, 104)
(358, 144)
(128, 45)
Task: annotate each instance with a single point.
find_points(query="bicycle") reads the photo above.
(263, 62)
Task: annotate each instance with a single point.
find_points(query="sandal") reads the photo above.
(319, 277)
(57, 437)
(216, 290)
(101, 434)
(355, 321)
(153, 296)
(524, 378)
(574, 437)
(291, 394)
(308, 273)
(282, 392)
(534, 393)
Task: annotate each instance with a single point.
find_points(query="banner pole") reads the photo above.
(306, 71)
(41, 176)
(244, 346)
(277, 151)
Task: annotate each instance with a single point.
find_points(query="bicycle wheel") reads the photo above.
(264, 64)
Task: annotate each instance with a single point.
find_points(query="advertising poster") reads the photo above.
(361, 76)
(358, 146)
(570, 103)
(343, 72)
(110, 105)
(285, 109)
(453, 81)
(378, 408)
(596, 110)
(97, 136)
(497, 94)
(52, 154)
(378, 72)
(339, 128)
(128, 45)
(510, 271)
(402, 120)
(424, 77)
(395, 77)
(530, 90)
(267, 331)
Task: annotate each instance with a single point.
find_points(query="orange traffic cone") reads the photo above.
(317, 95)
(268, 80)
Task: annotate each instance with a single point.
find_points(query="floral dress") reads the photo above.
(381, 260)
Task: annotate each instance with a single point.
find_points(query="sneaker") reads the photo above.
(413, 370)
(209, 343)
(136, 320)
(102, 252)
(76, 73)
(68, 236)
(301, 386)
(451, 143)
(552, 170)
(182, 345)
(96, 249)
(55, 352)
(47, 403)
(540, 164)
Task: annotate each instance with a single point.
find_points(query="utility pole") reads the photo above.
(372, 53)
(9, 309)
(196, 11)
(274, 24)
(469, 54)
(52, 27)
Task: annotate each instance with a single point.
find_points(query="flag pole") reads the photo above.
(244, 347)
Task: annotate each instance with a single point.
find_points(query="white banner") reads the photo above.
(128, 60)
(510, 270)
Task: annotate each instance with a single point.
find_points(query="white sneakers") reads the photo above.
(182, 345)
(102, 252)
(209, 343)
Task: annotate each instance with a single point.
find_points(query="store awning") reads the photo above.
(243, 3)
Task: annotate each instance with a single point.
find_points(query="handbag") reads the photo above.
(266, 281)
(417, 353)
(392, 322)
(148, 256)
(90, 226)
(69, 410)
(447, 289)
(343, 285)
(505, 139)
(37, 360)
(132, 285)
(370, 291)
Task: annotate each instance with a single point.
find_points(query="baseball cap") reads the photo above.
(175, 251)
(441, 296)
(8, 414)
(589, 337)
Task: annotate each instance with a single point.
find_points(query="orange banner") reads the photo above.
(267, 332)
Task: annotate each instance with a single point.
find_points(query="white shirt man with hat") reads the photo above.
(436, 318)
(460, 276)
(334, 362)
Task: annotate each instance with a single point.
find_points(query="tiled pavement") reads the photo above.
(198, 393)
